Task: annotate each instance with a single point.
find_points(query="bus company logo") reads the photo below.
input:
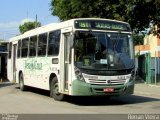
(33, 65)
(108, 81)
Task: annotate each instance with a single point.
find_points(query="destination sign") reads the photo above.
(101, 25)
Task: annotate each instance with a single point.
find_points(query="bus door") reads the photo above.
(65, 74)
(14, 61)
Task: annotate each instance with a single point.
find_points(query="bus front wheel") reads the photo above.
(54, 90)
(21, 82)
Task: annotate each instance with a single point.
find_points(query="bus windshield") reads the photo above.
(103, 50)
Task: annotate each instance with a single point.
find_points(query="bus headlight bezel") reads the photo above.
(132, 78)
(78, 74)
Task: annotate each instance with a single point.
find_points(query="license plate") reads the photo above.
(108, 89)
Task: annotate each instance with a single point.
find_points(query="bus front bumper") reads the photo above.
(80, 88)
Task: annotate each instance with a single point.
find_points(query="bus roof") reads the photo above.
(55, 26)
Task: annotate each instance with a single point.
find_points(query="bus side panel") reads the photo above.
(19, 68)
(37, 71)
(42, 72)
(9, 70)
(48, 68)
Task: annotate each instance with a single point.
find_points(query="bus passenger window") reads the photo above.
(25, 43)
(19, 49)
(32, 46)
(42, 43)
(53, 42)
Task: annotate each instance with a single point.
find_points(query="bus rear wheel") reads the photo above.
(21, 82)
(54, 90)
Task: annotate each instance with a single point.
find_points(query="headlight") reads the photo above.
(132, 76)
(78, 74)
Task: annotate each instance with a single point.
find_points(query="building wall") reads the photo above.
(152, 41)
(149, 58)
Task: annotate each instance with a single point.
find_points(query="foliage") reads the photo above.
(155, 30)
(139, 13)
(28, 26)
(138, 39)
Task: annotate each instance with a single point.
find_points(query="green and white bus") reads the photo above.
(78, 57)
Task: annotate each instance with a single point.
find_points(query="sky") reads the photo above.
(15, 12)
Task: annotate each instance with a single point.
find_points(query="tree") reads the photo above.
(138, 39)
(139, 13)
(28, 26)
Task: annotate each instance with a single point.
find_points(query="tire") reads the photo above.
(54, 90)
(21, 82)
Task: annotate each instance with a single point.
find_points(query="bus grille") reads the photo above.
(106, 82)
